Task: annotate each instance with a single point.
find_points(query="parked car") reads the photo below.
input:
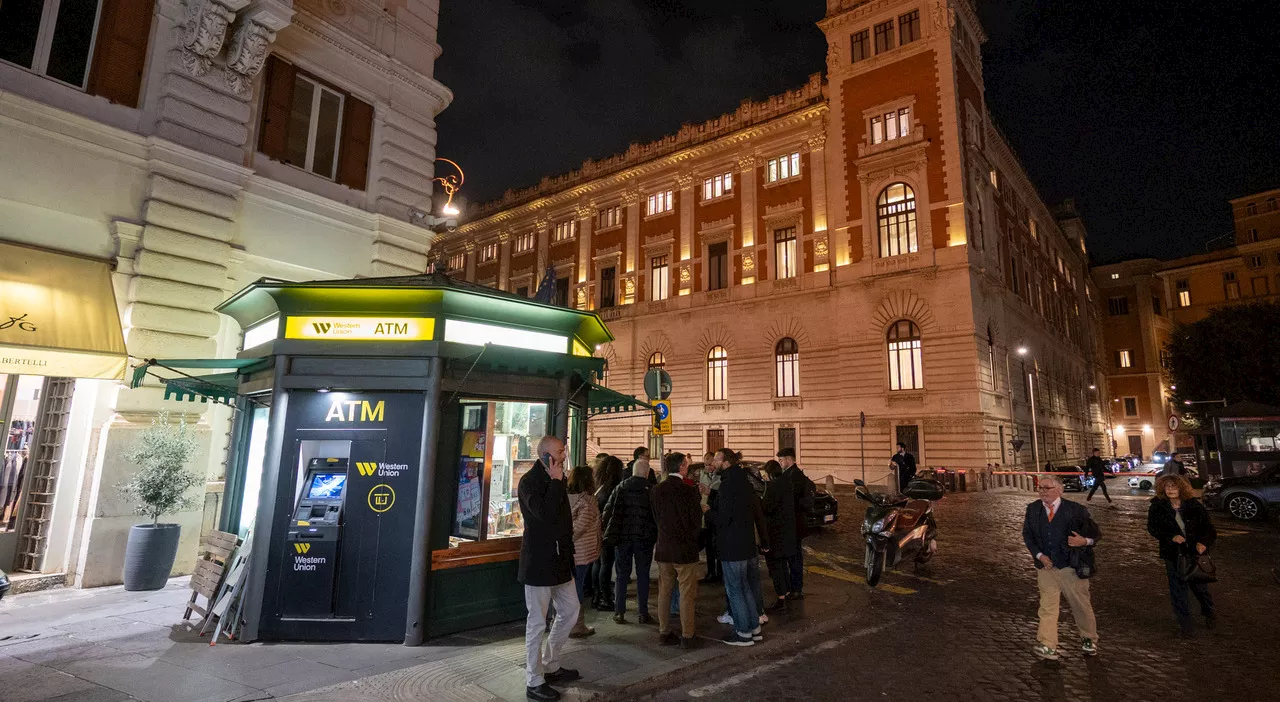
(1073, 483)
(826, 508)
(4, 584)
(1245, 497)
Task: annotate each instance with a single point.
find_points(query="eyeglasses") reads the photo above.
(1048, 488)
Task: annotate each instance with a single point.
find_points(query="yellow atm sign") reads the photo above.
(360, 328)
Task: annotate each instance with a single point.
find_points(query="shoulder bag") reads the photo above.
(1197, 568)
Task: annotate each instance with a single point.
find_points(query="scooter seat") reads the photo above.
(912, 513)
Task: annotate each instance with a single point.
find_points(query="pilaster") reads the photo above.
(631, 201)
(504, 259)
(586, 224)
(688, 203)
(542, 225)
(747, 183)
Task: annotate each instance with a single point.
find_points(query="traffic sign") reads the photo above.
(657, 384)
(661, 417)
(1174, 422)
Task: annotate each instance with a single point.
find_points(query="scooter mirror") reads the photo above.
(859, 482)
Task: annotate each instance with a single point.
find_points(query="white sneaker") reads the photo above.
(725, 618)
(764, 619)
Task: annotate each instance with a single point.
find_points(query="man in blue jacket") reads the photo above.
(1059, 535)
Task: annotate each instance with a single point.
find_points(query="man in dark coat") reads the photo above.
(739, 518)
(1059, 535)
(906, 465)
(546, 569)
(804, 491)
(1098, 469)
(677, 509)
(1173, 466)
(780, 517)
(629, 528)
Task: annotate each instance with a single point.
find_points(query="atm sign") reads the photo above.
(360, 328)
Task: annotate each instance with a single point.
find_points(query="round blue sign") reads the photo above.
(663, 410)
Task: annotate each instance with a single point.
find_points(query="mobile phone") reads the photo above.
(546, 459)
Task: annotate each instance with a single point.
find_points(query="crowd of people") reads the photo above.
(590, 530)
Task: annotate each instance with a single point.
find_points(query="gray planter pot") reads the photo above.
(149, 555)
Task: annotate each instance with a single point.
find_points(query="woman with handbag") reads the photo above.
(1181, 525)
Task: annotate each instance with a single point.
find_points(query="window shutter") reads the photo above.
(277, 103)
(124, 30)
(357, 134)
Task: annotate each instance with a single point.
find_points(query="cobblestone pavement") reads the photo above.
(965, 632)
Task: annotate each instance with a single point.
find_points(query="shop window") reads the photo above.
(498, 445)
(19, 407)
(785, 253)
(608, 287)
(786, 356)
(97, 47)
(896, 220)
(860, 46)
(905, 361)
(718, 266)
(659, 278)
(1130, 406)
(717, 373)
(314, 126)
(782, 167)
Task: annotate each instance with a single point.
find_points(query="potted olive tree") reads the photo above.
(159, 487)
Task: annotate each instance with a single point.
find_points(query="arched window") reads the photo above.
(904, 356)
(787, 364)
(717, 373)
(896, 220)
(657, 360)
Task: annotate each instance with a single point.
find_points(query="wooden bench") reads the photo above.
(477, 553)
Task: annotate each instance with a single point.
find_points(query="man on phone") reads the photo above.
(546, 569)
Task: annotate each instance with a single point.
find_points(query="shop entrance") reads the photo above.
(33, 415)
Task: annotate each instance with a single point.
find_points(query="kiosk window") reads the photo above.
(498, 446)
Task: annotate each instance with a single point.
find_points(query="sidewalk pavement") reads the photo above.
(109, 645)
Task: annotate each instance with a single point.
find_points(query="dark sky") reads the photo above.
(1150, 114)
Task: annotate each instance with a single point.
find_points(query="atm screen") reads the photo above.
(326, 486)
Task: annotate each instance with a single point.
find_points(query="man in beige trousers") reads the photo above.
(1060, 535)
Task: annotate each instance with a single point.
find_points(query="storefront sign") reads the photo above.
(360, 328)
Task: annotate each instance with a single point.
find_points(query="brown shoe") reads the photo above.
(688, 643)
(668, 639)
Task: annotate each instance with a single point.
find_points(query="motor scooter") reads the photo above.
(896, 528)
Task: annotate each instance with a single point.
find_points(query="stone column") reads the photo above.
(586, 224)
(747, 193)
(504, 259)
(631, 201)
(688, 202)
(818, 181)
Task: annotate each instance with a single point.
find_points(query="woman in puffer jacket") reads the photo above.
(586, 537)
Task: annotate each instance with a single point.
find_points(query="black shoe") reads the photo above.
(619, 619)
(543, 693)
(563, 675)
(688, 643)
(668, 639)
(645, 619)
(605, 605)
(710, 579)
(779, 606)
(795, 595)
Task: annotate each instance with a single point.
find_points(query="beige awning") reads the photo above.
(58, 316)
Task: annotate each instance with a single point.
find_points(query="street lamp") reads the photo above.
(1031, 397)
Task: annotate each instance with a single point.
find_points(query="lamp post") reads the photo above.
(1031, 397)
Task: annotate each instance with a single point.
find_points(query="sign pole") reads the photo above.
(862, 443)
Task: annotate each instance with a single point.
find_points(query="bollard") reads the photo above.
(831, 484)
(960, 478)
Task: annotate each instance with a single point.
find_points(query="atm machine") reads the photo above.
(312, 542)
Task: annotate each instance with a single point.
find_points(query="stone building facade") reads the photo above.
(1143, 300)
(865, 244)
(157, 142)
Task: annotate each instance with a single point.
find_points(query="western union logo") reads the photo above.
(302, 548)
(367, 468)
(322, 327)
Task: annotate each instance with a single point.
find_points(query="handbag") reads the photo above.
(1198, 568)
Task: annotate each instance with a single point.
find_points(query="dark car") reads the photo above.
(1074, 483)
(825, 510)
(1245, 497)
(4, 584)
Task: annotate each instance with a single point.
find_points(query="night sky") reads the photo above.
(1151, 115)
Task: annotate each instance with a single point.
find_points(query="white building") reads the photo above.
(180, 151)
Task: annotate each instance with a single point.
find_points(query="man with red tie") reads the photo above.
(1060, 535)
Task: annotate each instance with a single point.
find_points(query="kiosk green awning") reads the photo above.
(215, 386)
(602, 400)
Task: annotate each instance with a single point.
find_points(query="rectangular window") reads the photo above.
(1255, 262)
(717, 186)
(894, 124)
(884, 36)
(54, 38)
(1251, 236)
(1251, 209)
(498, 445)
(659, 203)
(715, 440)
(1259, 286)
(561, 297)
(659, 278)
(457, 262)
(877, 130)
(1184, 293)
(1165, 356)
(1130, 406)
(1118, 306)
(785, 253)
(1157, 306)
(315, 124)
(908, 27)
(718, 266)
(860, 43)
(489, 252)
(19, 411)
(608, 287)
(610, 217)
(1231, 287)
(905, 365)
(1124, 358)
(565, 231)
(786, 438)
(782, 167)
(525, 242)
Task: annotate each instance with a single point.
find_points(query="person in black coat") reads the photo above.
(1059, 535)
(629, 527)
(780, 517)
(1181, 527)
(609, 474)
(1098, 469)
(804, 492)
(546, 568)
(739, 519)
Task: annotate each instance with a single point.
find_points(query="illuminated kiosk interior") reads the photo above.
(384, 426)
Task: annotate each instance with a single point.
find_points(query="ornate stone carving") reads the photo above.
(746, 163)
(630, 197)
(585, 211)
(205, 30)
(724, 223)
(582, 297)
(684, 180)
(944, 17)
(748, 263)
(686, 276)
(504, 236)
(833, 57)
(249, 48)
(817, 141)
(469, 245)
(820, 248)
(541, 223)
(629, 285)
(783, 209)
